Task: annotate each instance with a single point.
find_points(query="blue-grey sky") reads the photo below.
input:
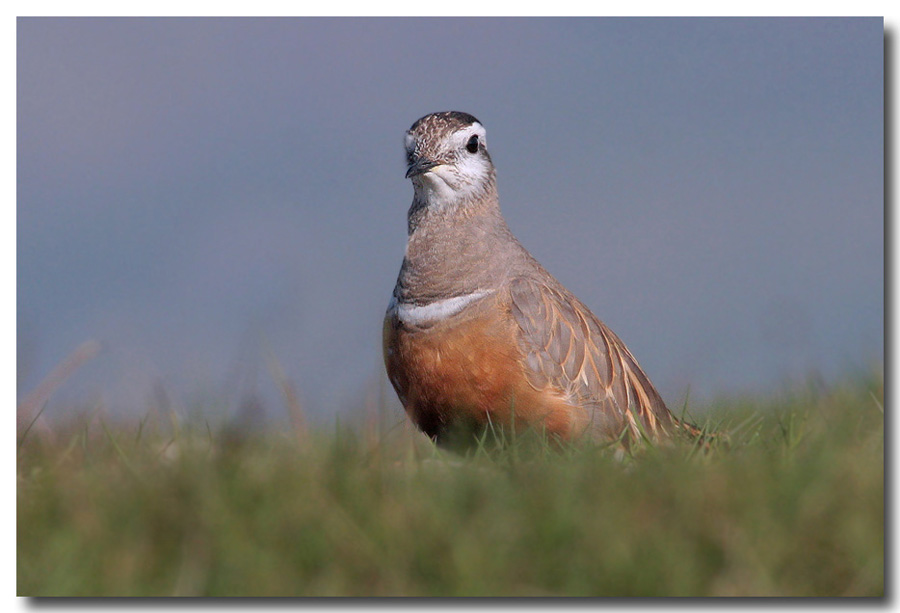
(200, 194)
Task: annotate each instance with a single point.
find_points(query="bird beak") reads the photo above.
(419, 166)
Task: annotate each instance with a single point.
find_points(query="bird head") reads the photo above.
(447, 159)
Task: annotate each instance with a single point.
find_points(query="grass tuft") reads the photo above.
(791, 505)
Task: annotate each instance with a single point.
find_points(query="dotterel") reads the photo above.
(478, 333)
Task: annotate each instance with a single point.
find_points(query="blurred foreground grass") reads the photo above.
(794, 506)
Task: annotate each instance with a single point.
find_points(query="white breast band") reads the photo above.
(416, 315)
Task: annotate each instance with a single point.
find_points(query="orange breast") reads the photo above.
(466, 371)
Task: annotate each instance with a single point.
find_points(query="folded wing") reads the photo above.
(568, 350)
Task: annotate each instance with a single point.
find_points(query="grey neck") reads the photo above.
(456, 251)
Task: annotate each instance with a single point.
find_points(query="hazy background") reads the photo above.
(200, 194)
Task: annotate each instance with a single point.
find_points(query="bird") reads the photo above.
(479, 335)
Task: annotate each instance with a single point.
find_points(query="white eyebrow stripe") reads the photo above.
(416, 315)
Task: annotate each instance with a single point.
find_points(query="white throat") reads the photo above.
(435, 190)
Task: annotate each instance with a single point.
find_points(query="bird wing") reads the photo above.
(568, 349)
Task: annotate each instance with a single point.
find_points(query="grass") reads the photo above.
(793, 506)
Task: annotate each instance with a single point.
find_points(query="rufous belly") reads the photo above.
(466, 372)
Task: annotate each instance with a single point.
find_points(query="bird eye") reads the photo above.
(472, 145)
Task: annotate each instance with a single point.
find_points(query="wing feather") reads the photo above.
(568, 349)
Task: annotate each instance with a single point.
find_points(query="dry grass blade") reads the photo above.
(28, 415)
(291, 399)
